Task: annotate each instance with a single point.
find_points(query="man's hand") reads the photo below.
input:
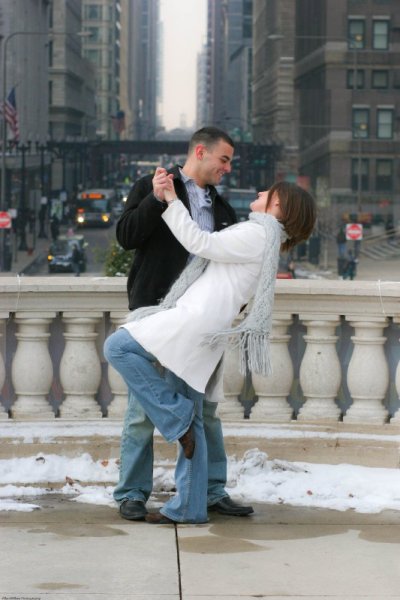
(163, 185)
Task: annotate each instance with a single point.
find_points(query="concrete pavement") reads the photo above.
(86, 552)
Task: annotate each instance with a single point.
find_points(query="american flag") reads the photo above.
(11, 114)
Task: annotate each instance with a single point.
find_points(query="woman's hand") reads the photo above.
(169, 190)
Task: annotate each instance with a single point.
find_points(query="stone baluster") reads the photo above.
(80, 369)
(395, 420)
(32, 367)
(320, 371)
(368, 372)
(119, 390)
(233, 382)
(3, 413)
(273, 391)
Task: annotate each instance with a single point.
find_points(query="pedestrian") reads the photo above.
(76, 260)
(188, 332)
(54, 227)
(159, 260)
(350, 268)
(341, 242)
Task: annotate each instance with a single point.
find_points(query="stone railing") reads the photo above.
(335, 354)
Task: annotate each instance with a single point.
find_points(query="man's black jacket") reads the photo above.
(159, 257)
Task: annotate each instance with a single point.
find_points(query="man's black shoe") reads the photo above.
(226, 506)
(134, 510)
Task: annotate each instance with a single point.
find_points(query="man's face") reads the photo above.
(214, 163)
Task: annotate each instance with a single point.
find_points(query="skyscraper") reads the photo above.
(103, 21)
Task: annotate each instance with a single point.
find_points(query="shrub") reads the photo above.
(118, 261)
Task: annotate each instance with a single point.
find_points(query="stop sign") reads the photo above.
(354, 231)
(5, 220)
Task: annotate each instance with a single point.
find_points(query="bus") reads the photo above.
(96, 208)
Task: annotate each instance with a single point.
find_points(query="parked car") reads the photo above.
(59, 257)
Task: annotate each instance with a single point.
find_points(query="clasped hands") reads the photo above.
(163, 185)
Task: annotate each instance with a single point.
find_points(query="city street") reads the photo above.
(98, 241)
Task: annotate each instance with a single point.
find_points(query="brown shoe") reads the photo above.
(188, 443)
(158, 519)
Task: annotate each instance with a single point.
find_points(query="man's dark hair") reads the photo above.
(209, 136)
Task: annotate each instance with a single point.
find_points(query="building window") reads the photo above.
(363, 165)
(380, 80)
(384, 123)
(94, 56)
(384, 175)
(360, 123)
(93, 11)
(355, 81)
(380, 34)
(356, 34)
(50, 93)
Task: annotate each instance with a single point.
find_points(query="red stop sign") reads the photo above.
(354, 231)
(5, 220)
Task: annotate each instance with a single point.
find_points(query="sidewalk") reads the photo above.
(24, 260)
(367, 270)
(85, 552)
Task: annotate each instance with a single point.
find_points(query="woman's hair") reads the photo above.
(299, 212)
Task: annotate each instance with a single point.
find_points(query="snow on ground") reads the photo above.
(254, 478)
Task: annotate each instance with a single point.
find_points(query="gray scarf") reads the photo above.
(251, 336)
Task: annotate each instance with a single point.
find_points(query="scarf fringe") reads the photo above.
(254, 349)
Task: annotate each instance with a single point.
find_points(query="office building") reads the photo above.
(347, 81)
(71, 92)
(144, 79)
(103, 21)
(226, 70)
(273, 103)
(24, 53)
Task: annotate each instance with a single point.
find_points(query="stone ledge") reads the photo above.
(372, 446)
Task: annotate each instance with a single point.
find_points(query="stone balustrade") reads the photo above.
(334, 346)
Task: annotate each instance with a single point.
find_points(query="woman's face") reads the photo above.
(260, 204)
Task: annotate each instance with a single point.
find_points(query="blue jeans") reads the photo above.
(172, 413)
(136, 468)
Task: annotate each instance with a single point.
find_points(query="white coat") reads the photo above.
(176, 336)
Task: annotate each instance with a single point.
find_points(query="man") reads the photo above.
(159, 260)
(76, 259)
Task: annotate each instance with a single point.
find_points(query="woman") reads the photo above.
(188, 331)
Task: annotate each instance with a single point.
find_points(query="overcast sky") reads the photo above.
(184, 31)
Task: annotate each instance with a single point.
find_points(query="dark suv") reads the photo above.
(59, 257)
